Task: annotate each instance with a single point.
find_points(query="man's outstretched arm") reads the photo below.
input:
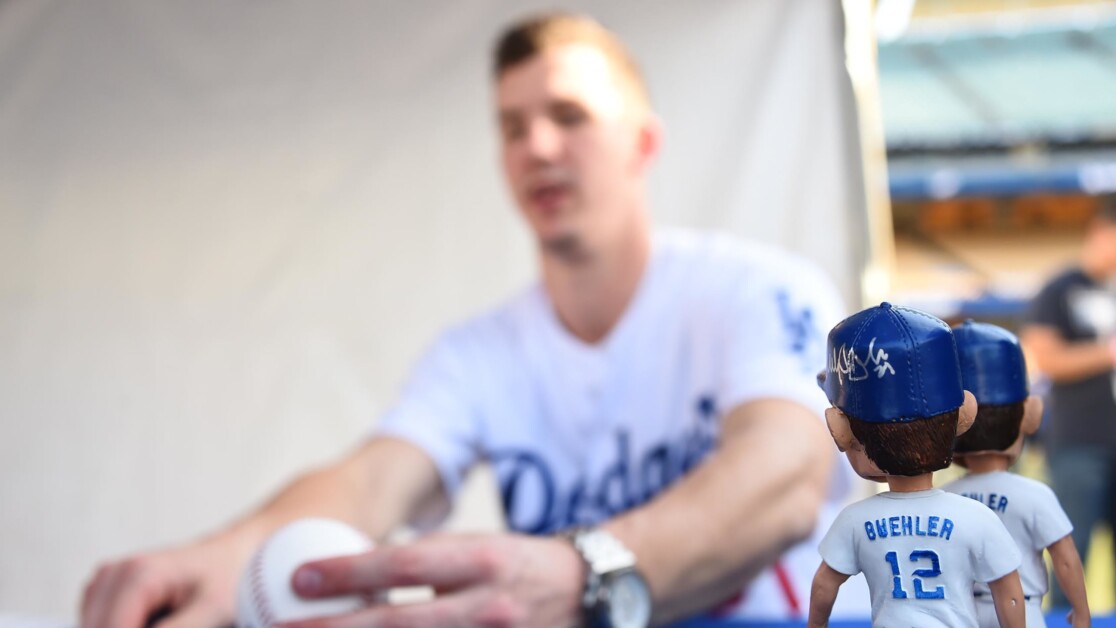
(697, 543)
(756, 495)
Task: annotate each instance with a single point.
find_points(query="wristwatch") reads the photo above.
(616, 594)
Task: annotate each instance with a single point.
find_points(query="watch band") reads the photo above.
(602, 552)
(603, 555)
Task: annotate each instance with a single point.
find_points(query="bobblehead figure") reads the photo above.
(894, 383)
(993, 369)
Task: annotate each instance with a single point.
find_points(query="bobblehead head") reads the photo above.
(894, 382)
(994, 370)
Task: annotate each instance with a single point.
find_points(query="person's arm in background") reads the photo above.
(1071, 577)
(1062, 360)
(376, 488)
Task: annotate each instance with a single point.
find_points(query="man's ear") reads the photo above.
(839, 427)
(1032, 415)
(966, 414)
(650, 140)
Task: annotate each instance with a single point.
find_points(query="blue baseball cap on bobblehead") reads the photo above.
(992, 364)
(890, 364)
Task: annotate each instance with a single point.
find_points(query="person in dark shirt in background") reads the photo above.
(1069, 331)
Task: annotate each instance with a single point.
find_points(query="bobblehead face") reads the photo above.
(841, 431)
(1032, 418)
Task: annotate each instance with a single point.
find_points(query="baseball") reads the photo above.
(265, 596)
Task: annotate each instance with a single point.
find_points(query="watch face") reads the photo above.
(629, 601)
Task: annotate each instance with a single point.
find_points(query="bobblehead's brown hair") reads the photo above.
(910, 448)
(527, 38)
(995, 429)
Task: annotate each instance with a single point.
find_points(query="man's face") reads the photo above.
(574, 144)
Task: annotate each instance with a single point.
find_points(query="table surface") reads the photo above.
(1054, 619)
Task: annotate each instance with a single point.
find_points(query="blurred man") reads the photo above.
(1070, 330)
(654, 392)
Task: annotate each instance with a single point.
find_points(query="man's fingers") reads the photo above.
(190, 617)
(94, 602)
(121, 595)
(445, 566)
(466, 608)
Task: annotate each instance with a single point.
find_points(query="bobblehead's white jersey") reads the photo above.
(1034, 518)
(920, 552)
(577, 432)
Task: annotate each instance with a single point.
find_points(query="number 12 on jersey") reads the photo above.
(935, 570)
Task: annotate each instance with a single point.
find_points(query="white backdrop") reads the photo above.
(227, 229)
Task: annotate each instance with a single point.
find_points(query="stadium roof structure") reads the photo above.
(1011, 106)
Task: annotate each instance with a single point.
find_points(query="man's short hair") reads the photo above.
(525, 39)
(908, 448)
(995, 429)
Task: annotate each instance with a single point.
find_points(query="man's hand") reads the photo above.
(198, 582)
(376, 487)
(1079, 620)
(484, 580)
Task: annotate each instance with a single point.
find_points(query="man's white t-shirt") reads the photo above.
(920, 552)
(1032, 515)
(577, 433)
